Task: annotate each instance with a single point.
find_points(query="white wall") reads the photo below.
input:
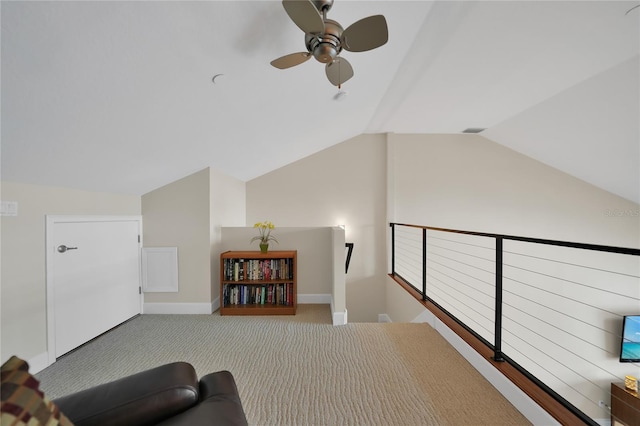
(600, 116)
(177, 215)
(339, 288)
(23, 290)
(342, 185)
(189, 213)
(471, 183)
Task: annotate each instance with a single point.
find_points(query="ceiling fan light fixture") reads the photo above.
(325, 53)
(325, 47)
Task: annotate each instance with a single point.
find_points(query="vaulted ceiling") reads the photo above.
(119, 96)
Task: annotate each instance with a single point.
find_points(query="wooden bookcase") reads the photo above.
(255, 283)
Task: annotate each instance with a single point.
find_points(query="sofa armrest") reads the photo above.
(144, 398)
(219, 405)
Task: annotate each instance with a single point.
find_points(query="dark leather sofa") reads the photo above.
(167, 395)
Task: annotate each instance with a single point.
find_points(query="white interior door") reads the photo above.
(93, 280)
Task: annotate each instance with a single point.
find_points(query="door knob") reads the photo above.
(63, 248)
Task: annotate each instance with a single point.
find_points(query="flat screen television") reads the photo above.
(630, 342)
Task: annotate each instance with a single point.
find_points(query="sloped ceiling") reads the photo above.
(118, 96)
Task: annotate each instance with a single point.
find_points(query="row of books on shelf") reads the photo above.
(257, 269)
(266, 294)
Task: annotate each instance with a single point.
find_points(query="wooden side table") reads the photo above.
(625, 406)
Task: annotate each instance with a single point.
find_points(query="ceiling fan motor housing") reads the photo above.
(322, 5)
(325, 47)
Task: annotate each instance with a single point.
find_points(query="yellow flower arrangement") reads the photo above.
(264, 229)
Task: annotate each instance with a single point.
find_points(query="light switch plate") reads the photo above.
(9, 208)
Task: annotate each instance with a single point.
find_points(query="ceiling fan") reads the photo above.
(325, 38)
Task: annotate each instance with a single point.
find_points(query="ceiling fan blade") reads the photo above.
(366, 34)
(305, 15)
(339, 71)
(291, 60)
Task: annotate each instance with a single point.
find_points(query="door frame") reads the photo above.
(51, 220)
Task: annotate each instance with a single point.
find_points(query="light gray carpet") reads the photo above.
(299, 370)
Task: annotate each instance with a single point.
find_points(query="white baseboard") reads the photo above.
(321, 299)
(384, 318)
(523, 403)
(38, 362)
(179, 308)
(339, 318)
(427, 317)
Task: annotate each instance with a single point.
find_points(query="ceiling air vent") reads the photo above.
(473, 130)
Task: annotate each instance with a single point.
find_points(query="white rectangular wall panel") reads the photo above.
(160, 269)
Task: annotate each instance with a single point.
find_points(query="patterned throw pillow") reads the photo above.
(23, 403)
